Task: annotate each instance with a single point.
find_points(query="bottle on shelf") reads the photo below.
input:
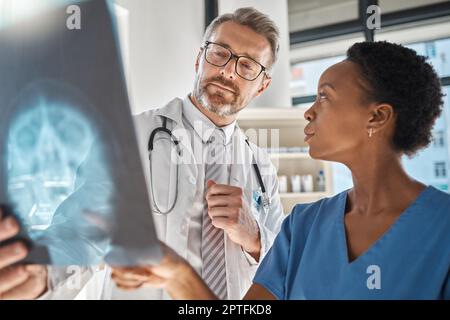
(282, 184)
(307, 183)
(320, 180)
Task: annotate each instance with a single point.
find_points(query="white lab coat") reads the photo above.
(173, 228)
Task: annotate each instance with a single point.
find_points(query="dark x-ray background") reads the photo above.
(65, 115)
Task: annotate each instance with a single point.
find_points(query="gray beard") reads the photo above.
(225, 110)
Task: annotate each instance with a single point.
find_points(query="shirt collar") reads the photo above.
(192, 115)
(172, 110)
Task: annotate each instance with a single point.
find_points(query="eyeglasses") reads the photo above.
(245, 67)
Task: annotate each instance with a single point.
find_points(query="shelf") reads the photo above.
(280, 130)
(304, 195)
(289, 200)
(290, 155)
(272, 114)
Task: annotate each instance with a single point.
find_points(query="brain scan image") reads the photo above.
(57, 174)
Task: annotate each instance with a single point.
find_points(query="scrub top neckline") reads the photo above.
(377, 242)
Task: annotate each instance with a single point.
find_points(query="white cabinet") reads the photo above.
(280, 130)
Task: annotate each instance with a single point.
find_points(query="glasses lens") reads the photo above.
(217, 55)
(247, 68)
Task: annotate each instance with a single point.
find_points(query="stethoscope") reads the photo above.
(263, 199)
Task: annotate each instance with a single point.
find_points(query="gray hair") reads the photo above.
(255, 20)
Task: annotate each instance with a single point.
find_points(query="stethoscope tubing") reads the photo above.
(174, 140)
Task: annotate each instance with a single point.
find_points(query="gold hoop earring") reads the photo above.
(370, 132)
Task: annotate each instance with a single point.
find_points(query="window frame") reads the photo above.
(359, 25)
(351, 31)
(440, 170)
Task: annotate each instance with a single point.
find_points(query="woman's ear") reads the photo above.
(381, 116)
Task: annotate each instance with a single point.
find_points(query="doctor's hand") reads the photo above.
(18, 281)
(229, 211)
(173, 273)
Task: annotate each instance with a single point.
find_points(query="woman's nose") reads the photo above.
(309, 114)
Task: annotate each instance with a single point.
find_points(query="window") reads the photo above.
(438, 53)
(313, 50)
(440, 170)
(429, 165)
(305, 75)
(388, 6)
(439, 139)
(303, 13)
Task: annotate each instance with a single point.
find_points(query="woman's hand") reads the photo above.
(173, 273)
(18, 281)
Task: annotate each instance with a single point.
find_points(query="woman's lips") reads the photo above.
(308, 136)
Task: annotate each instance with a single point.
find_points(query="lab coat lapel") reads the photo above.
(174, 111)
(242, 160)
(238, 279)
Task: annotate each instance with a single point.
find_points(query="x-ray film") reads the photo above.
(70, 169)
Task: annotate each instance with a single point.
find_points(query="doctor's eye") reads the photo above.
(246, 65)
(219, 53)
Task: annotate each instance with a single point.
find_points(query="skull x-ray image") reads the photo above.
(58, 174)
(70, 170)
(47, 143)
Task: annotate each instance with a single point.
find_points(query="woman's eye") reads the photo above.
(322, 96)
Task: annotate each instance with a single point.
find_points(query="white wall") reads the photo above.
(278, 93)
(164, 38)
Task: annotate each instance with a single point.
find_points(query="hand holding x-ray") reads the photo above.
(18, 281)
(173, 274)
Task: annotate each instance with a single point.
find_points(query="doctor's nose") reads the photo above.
(229, 70)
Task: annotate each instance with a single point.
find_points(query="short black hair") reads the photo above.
(398, 76)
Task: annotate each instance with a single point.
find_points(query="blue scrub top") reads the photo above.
(411, 260)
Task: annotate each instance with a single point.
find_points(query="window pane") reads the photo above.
(305, 75)
(438, 53)
(439, 139)
(431, 165)
(307, 14)
(398, 5)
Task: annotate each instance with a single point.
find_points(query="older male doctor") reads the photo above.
(209, 205)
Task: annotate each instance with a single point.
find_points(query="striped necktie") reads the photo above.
(213, 245)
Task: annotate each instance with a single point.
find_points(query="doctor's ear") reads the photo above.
(265, 83)
(197, 60)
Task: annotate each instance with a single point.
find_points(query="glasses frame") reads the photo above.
(237, 57)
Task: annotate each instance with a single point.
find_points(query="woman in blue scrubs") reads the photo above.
(386, 238)
(389, 236)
